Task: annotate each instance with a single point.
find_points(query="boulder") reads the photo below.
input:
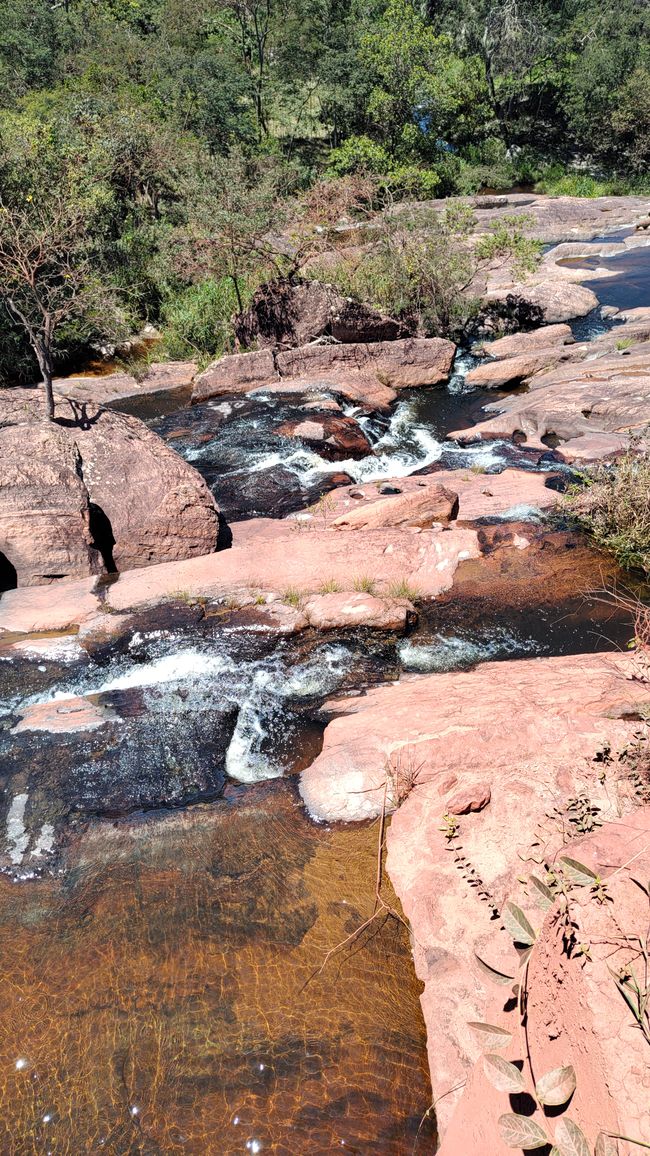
(510, 371)
(559, 300)
(524, 343)
(361, 372)
(401, 364)
(290, 313)
(333, 437)
(346, 611)
(93, 491)
(44, 506)
(423, 506)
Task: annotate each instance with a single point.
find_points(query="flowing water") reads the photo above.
(167, 908)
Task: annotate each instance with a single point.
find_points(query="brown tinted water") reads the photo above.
(165, 994)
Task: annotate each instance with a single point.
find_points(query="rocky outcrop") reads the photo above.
(367, 373)
(517, 344)
(607, 395)
(424, 507)
(558, 300)
(169, 382)
(44, 506)
(94, 491)
(523, 732)
(290, 313)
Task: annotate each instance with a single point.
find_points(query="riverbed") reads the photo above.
(182, 971)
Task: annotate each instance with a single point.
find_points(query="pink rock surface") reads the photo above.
(336, 611)
(334, 437)
(479, 496)
(608, 394)
(471, 799)
(508, 371)
(420, 506)
(575, 1014)
(110, 389)
(517, 344)
(155, 505)
(364, 372)
(64, 717)
(530, 729)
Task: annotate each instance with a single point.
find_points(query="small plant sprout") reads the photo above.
(364, 585)
(293, 597)
(403, 589)
(330, 587)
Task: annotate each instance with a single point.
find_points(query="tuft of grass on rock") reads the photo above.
(293, 597)
(330, 587)
(402, 589)
(364, 585)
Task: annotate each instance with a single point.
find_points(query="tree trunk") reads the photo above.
(44, 356)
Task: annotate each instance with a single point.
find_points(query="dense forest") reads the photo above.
(150, 148)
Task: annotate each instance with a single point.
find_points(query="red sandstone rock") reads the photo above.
(473, 798)
(44, 505)
(365, 372)
(510, 371)
(524, 343)
(530, 726)
(558, 300)
(479, 496)
(333, 437)
(63, 717)
(294, 313)
(173, 378)
(341, 611)
(422, 506)
(399, 364)
(56, 476)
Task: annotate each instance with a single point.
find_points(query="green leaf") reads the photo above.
(605, 1145)
(521, 1132)
(541, 895)
(489, 1035)
(577, 873)
(570, 1139)
(492, 973)
(503, 1076)
(556, 1087)
(517, 925)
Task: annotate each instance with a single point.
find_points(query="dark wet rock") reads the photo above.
(149, 748)
(95, 491)
(333, 437)
(292, 313)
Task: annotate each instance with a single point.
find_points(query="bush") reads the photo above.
(198, 321)
(557, 181)
(358, 154)
(614, 507)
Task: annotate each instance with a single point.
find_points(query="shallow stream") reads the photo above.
(170, 908)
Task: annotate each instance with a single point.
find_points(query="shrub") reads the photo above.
(358, 154)
(198, 320)
(614, 507)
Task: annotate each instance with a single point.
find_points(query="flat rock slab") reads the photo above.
(345, 611)
(479, 496)
(110, 389)
(63, 717)
(368, 373)
(527, 730)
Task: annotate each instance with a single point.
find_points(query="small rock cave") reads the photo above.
(8, 575)
(103, 537)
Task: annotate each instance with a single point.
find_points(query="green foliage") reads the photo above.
(614, 508)
(197, 321)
